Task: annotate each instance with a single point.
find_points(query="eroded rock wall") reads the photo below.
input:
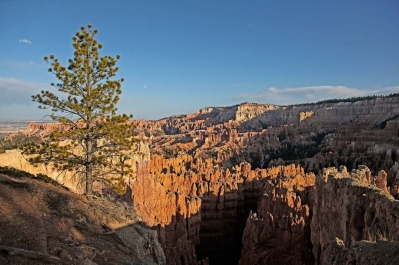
(177, 195)
(14, 158)
(349, 207)
(199, 198)
(361, 252)
(200, 208)
(279, 232)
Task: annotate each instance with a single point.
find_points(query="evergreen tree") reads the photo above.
(96, 143)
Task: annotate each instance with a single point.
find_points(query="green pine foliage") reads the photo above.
(97, 142)
(17, 142)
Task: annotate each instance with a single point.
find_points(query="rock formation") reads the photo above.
(43, 223)
(210, 169)
(198, 207)
(361, 252)
(279, 233)
(359, 132)
(14, 158)
(349, 208)
(38, 129)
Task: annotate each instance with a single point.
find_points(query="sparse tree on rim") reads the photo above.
(96, 142)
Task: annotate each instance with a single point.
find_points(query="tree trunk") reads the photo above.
(30, 254)
(89, 180)
(89, 169)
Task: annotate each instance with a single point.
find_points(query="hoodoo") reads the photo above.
(265, 184)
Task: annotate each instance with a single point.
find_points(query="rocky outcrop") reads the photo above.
(14, 158)
(247, 111)
(305, 114)
(361, 252)
(178, 195)
(362, 132)
(38, 130)
(42, 223)
(199, 208)
(346, 218)
(201, 183)
(365, 113)
(349, 206)
(279, 233)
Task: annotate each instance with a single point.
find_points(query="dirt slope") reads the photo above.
(41, 223)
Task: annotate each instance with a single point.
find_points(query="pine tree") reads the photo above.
(96, 143)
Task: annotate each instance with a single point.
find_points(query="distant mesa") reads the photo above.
(264, 184)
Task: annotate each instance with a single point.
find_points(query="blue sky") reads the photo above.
(180, 56)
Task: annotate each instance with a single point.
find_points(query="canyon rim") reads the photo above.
(263, 184)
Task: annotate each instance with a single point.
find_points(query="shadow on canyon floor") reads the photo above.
(216, 231)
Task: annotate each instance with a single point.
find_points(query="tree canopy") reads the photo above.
(96, 143)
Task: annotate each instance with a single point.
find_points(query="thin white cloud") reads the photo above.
(16, 91)
(287, 96)
(16, 101)
(21, 64)
(25, 41)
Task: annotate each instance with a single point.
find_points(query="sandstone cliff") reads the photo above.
(209, 169)
(14, 158)
(346, 218)
(364, 132)
(279, 233)
(199, 208)
(361, 252)
(348, 208)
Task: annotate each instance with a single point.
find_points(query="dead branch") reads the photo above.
(30, 254)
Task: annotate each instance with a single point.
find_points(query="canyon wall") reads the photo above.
(210, 170)
(279, 232)
(314, 135)
(14, 158)
(363, 132)
(336, 217)
(199, 208)
(199, 211)
(353, 211)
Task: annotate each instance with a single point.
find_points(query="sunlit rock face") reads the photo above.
(350, 207)
(279, 232)
(14, 158)
(199, 208)
(249, 182)
(336, 217)
(363, 132)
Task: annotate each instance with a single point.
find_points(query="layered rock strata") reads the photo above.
(315, 135)
(199, 208)
(14, 158)
(199, 198)
(348, 208)
(361, 252)
(279, 233)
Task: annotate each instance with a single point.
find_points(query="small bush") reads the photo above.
(16, 173)
(18, 142)
(13, 172)
(47, 179)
